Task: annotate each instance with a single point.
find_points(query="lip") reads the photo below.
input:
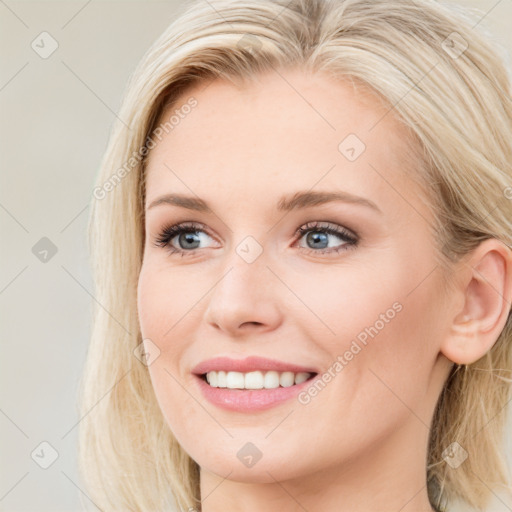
(249, 400)
(249, 364)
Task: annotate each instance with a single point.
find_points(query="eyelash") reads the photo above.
(351, 240)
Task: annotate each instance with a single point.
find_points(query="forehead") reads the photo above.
(279, 131)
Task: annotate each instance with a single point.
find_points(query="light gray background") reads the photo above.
(56, 115)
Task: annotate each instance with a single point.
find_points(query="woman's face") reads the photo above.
(363, 305)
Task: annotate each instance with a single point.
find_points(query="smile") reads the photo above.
(254, 379)
(236, 397)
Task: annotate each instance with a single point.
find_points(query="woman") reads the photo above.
(301, 249)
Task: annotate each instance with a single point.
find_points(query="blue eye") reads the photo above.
(318, 234)
(188, 236)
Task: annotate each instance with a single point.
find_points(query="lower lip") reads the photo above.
(249, 400)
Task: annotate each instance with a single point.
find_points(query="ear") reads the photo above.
(485, 283)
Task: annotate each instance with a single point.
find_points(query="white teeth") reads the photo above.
(287, 379)
(213, 379)
(271, 380)
(301, 377)
(255, 380)
(221, 379)
(235, 380)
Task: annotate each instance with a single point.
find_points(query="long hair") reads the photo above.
(440, 76)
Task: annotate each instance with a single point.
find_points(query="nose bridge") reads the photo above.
(243, 294)
(245, 271)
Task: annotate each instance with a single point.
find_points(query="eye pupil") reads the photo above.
(189, 239)
(316, 237)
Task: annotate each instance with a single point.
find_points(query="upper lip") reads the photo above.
(249, 364)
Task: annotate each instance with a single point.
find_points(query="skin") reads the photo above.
(361, 443)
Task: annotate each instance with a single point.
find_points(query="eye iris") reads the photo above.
(189, 239)
(316, 237)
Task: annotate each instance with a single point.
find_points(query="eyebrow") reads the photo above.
(299, 200)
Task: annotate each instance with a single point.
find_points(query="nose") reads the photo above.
(245, 298)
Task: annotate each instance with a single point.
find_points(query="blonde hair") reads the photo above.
(456, 102)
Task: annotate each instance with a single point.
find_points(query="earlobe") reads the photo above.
(486, 284)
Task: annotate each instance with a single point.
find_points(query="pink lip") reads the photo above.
(249, 364)
(249, 400)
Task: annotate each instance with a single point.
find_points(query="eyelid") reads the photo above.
(348, 236)
(333, 227)
(165, 236)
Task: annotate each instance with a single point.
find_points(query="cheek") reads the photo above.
(145, 301)
(160, 306)
(165, 296)
(347, 301)
(377, 317)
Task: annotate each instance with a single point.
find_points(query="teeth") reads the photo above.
(287, 379)
(255, 380)
(271, 380)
